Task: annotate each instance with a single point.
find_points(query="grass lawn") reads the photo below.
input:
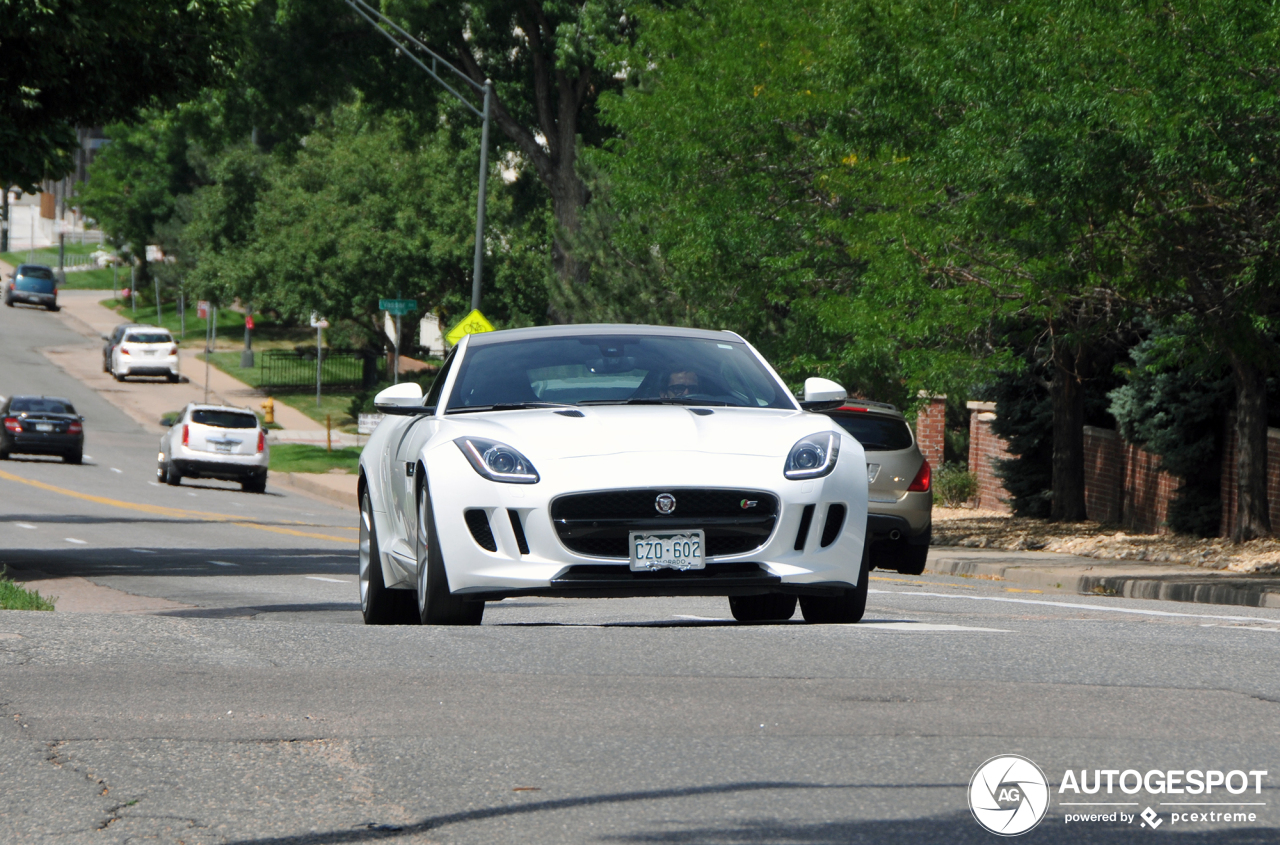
(16, 597)
(332, 404)
(230, 322)
(301, 457)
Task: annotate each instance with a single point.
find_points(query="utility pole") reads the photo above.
(4, 222)
(373, 16)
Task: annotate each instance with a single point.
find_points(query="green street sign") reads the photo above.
(398, 306)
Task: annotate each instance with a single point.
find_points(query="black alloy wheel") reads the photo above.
(845, 608)
(436, 605)
(771, 607)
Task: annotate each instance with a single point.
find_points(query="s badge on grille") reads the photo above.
(748, 503)
(665, 503)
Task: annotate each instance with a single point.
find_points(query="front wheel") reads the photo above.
(771, 607)
(845, 608)
(378, 605)
(436, 605)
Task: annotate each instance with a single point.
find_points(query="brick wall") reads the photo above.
(1104, 463)
(1147, 491)
(985, 447)
(931, 428)
(1229, 479)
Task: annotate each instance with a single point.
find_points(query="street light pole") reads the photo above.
(364, 10)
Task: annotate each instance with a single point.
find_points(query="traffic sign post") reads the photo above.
(473, 323)
(398, 308)
(319, 325)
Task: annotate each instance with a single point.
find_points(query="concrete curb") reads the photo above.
(298, 482)
(1112, 579)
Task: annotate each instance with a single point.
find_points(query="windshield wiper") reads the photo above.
(674, 401)
(508, 406)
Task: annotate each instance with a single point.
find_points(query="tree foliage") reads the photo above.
(68, 63)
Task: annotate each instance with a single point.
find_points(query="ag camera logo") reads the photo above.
(1008, 795)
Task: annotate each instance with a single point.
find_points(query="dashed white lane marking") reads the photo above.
(191, 494)
(87, 457)
(77, 542)
(143, 551)
(25, 525)
(222, 563)
(700, 618)
(330, 580)
(154, 483)
(1081, 606)
(113, 469)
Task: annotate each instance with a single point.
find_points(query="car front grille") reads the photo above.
(599, 524)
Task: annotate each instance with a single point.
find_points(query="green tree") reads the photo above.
(69, 63)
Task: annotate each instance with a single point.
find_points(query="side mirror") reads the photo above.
(403, 399)
(822, 394)
(167, 422)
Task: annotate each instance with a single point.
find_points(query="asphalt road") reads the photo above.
(249, 716)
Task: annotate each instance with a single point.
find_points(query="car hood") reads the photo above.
(615, 430)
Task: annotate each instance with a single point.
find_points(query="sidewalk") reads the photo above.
(1051, 572)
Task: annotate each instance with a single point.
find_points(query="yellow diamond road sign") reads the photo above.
(473, 323)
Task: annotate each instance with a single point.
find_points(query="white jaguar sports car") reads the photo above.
(610, 460)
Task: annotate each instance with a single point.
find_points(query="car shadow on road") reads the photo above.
(43, 564)
(956, 828)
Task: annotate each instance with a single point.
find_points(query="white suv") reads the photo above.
(215, 441)
(145, 351)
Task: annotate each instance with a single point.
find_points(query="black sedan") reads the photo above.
(41, 425)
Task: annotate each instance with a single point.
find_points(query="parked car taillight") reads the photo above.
(186, 434)
(262, 440)
(920, 484)
(12, 424)
(124, 351)
(75, 428)
(173, 350)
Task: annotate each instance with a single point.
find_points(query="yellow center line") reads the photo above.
(181, 513)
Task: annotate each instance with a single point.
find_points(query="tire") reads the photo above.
(4, 455)
(8, 301)
(76, 457)
(257, 484)
(436, 605)
(171, 475)
(53, 307)
(842, 609)
(106, 365)
(378, 605)
(913, 559)
(771, 607)
(173, 378)
(118, 376)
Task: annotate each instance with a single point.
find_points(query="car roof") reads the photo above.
(144, 326)
(40, 396)
(22, 267)
(580, 329)
(208, 406)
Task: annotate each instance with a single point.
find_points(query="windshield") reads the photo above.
(32, 284)
(149, 337)
(39, 404)
(615, 369)
(224, 419)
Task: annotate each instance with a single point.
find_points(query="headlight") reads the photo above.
(814, 456)
(497, 461)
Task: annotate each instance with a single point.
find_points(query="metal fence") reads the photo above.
(281, 369)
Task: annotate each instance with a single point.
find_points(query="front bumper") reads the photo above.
(547, 567)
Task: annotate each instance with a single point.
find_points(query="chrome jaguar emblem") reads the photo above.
(665, 503)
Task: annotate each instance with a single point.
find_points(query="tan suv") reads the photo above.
(899, 495)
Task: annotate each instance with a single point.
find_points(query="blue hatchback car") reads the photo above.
(33, 284)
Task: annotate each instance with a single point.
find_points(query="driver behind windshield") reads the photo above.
(679, 384)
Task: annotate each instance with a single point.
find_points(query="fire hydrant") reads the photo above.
(269, 411)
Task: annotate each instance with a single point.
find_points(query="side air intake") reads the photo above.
(478, 522)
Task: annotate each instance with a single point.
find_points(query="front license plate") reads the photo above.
(44, 426)
(667, 551)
